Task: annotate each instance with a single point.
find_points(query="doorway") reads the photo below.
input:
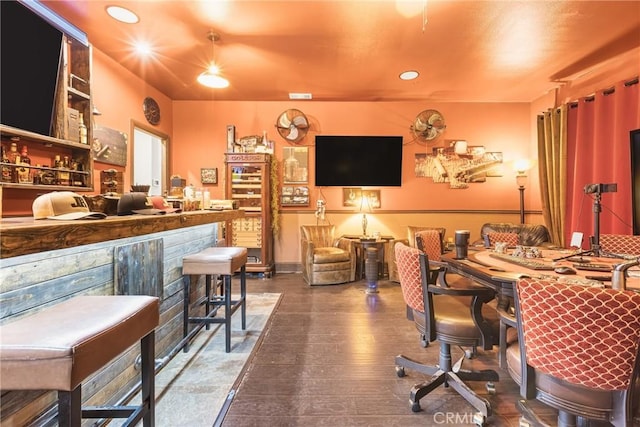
(149, 159)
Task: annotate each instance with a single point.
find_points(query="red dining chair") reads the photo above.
(578, 351)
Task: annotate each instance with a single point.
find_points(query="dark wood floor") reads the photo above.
(327, 358)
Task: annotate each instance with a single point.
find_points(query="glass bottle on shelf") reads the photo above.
(12, 157)
(6, 169)
(83, 129)
(24, 170)
(63, 174)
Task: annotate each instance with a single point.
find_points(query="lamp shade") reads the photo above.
(213, 80)
(365, 205)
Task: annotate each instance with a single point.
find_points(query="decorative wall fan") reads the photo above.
(292, 125)
(428, 125)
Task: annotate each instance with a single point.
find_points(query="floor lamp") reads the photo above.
(521, 167)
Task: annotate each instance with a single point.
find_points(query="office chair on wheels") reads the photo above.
(443, 313)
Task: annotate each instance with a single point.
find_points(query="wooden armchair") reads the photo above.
(578, 351)
(326, 260)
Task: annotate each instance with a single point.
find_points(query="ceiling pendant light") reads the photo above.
(212, 78)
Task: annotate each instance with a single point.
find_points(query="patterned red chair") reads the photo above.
(429, 242)
(622, 244)
(511, 239)
(580, 349)
(443, 314)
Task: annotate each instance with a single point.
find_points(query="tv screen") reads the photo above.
(358, 161)
(30, 51)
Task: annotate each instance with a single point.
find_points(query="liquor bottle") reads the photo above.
(83, 129)
(12, 155)
(6, 169)
(63, 177)
(24, 170)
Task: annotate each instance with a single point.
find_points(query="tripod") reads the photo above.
(595, 239)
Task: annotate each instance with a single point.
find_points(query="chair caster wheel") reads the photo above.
(424, 342)
(415, 406)
(491, 388)
(479, 419)
(400, 371)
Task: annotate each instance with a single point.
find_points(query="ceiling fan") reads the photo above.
(292, 125)
(428, 125)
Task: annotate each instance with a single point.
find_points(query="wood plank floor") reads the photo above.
(327, 359)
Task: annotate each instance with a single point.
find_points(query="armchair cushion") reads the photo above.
(329, 255)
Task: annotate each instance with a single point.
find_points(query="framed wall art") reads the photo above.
(209, 175)
(295, 165)
(295, 196)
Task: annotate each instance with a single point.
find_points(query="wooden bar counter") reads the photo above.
(44, 262)
(22, 236)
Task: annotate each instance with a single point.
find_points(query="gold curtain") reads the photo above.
(552, 158)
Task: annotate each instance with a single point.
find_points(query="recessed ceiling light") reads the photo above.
(294, 95)
(123, 15)
(409, 75)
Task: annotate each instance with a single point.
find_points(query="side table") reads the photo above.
(361, 244)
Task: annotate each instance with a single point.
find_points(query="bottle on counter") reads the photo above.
(24, 169)
(83, 129)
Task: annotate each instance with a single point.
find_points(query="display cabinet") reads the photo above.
(247, 180)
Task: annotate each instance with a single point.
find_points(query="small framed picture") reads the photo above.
(209, 175)
(295, 196)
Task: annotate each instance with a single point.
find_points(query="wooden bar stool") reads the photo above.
(59, 347)
(222, 261)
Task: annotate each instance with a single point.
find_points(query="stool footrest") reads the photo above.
(133, 414)
(210, 318)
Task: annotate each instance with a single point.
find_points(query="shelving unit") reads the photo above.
(45, 147)
(73, 101)
(247, 181)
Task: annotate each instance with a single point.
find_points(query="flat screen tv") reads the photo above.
(358, 161)
(30, 51)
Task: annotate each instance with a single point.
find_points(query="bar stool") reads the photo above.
(62, 345)
(217, 261)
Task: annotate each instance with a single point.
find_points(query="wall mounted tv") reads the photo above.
(30, 51)
(358, 161)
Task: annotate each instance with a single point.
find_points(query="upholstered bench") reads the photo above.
(60, 346)
(216, 261)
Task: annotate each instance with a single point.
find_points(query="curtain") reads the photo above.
(599, 152)
(552, 164)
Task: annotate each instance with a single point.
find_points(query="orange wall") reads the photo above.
(199, 140)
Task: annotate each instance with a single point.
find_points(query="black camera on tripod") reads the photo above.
(600, 188)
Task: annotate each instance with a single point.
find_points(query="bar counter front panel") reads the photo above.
(45, 262)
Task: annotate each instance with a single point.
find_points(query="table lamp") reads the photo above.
(365, 208)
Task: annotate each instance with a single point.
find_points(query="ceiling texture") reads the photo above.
(465, 51)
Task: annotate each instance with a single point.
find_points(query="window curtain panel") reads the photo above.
(552, 164)
(599, 152)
